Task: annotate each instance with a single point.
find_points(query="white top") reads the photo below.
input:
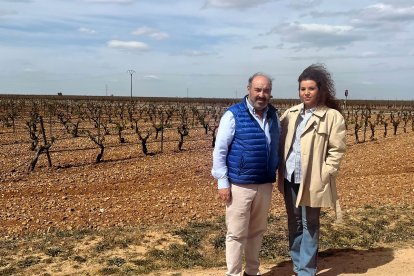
(293, 162)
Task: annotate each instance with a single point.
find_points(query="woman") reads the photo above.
(313, 135)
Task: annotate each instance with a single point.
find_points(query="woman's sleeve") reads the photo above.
(336, 144)
(281, 169)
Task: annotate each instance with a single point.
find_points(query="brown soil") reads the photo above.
(173, 187)
(130, 189)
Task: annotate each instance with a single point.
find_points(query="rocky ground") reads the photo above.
(172, 188)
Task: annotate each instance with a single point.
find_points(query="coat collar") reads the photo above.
(316, 116)
(319, 111)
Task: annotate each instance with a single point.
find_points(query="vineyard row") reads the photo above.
(52, 125)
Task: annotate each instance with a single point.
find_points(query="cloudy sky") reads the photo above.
(204, 48)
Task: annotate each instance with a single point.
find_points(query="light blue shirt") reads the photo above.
(293, 162)
(224, 138)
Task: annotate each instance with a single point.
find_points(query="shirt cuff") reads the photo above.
(223, 183)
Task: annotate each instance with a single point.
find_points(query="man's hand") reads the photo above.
(224, 194)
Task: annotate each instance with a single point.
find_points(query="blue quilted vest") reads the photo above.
(250, 159)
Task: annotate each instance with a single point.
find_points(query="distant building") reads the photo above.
(60, 94)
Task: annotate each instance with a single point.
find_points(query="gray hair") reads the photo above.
(260, 74)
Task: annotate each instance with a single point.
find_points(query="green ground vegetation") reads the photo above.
(138, 251)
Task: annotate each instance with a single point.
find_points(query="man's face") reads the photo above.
(260, 92)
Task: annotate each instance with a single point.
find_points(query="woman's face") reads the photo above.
(308, 93)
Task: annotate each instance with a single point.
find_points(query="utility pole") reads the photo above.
(131, 72)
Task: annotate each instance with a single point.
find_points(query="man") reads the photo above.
(245, 160)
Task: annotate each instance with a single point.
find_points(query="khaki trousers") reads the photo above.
(246, 220)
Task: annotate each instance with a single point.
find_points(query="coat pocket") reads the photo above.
(325, 174)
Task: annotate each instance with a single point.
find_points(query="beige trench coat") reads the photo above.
(322, 146)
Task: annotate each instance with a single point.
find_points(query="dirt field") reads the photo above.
(174, 187)
(375, 262)
(130, 189)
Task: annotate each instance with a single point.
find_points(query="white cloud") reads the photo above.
(19, 1)
(151, 77)
(112, 1)
(128, 45)
(304, 4)
(388, 13)
(359, 56)
(384, 18)
(260, 47)
(385, 22)
(316, 35)
(367, 82)
(333, 14)
(142, 31)
(234, 4)
(376, 20)
(324, 28)
(151, 32)
(369, 54)
(195, 53)
(159, 35)
(6, 12)
(86, 30)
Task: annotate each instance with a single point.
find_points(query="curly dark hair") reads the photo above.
(326, 86)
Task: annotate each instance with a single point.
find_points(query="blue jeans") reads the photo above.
(303, 225)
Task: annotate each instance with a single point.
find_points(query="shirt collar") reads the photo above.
(311, 110)
(252, 110)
